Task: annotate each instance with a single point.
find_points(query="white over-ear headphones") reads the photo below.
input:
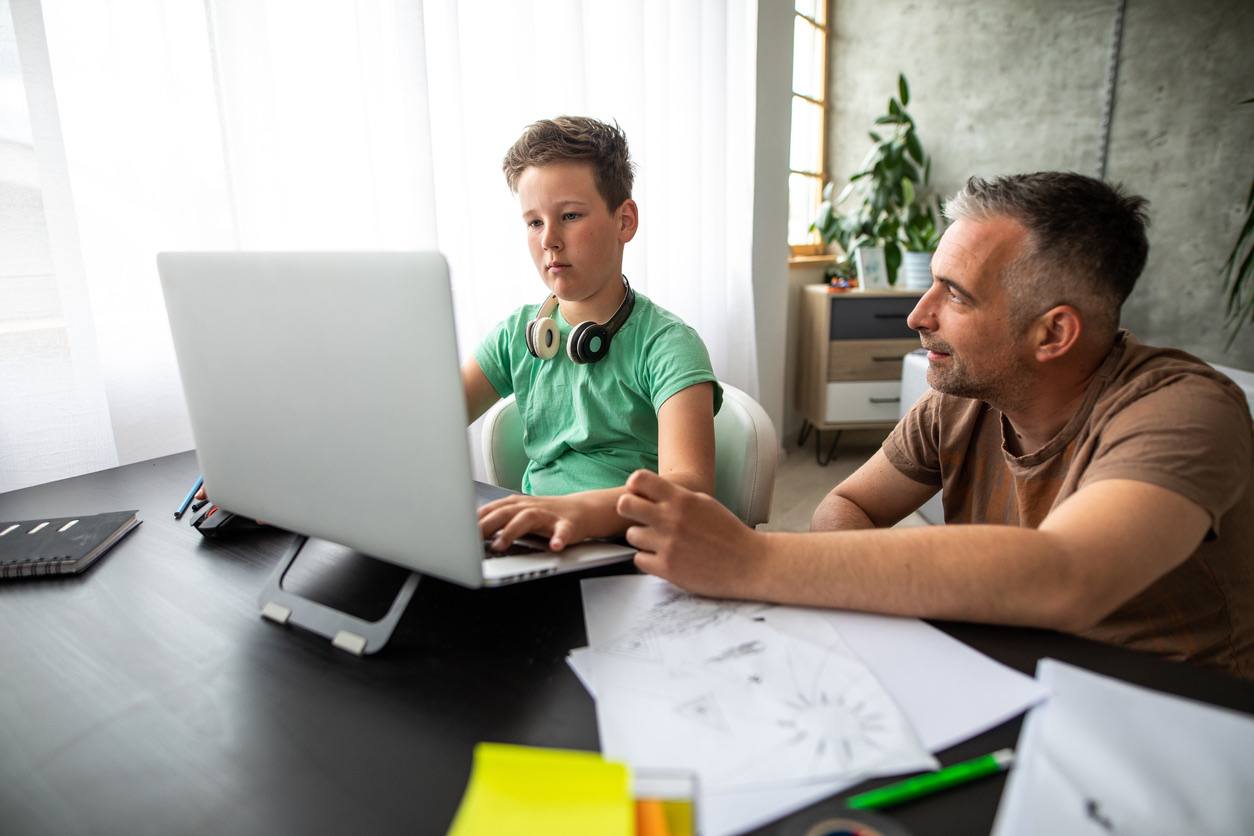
(588, 341)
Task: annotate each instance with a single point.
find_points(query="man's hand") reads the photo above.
(689, 538)
(563, 519)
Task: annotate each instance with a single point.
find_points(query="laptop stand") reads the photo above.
(347, 632)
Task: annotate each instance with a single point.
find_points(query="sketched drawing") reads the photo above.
(703, 710)
(679, 613)
(638, 644)
(736, 652)
(832, 723)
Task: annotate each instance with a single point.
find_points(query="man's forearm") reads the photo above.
(996, 574)
(836, 513)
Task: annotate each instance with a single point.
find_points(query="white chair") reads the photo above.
(745, 453)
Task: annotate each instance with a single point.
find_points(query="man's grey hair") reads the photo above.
(1086, 243)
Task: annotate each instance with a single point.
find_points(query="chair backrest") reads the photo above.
(504, 459)
(745, 453)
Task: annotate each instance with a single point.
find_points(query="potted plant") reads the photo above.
(1238, 272)
(920, 233)
(841, 275)
(893, 207)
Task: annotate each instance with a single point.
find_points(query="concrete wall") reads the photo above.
(1003, 86)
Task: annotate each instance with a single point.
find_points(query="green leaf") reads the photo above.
(1236, 283)
(914, 146)
(888, 120)
(907, 191)
(875, 137)
(1247, 233)
(892, 260)
(1243, 275)
(903, 90)
(894, 108)
(824, 216)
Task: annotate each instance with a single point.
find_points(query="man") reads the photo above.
(1091, 484)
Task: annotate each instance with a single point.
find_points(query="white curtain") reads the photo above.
(331, 124)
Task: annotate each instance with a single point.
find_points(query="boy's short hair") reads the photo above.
(579, 139)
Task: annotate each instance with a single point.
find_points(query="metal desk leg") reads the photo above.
(831, 451)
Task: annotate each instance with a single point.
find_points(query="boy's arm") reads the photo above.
(479, 393)
(685, 457)
(685, 438)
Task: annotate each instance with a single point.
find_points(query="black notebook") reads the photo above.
(61, 546)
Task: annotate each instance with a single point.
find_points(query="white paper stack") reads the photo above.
(1104, 757)
(777, 707)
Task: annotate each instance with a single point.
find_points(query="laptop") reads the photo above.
(325, 397)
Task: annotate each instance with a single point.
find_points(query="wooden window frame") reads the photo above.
(815, 247)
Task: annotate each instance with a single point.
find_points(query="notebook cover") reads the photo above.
(52, 546)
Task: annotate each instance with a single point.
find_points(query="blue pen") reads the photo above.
(187, 500)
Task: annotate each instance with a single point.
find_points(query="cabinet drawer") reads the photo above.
(865, 400)
(873, 318)
(867, 359)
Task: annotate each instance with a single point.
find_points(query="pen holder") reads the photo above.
(666, 802)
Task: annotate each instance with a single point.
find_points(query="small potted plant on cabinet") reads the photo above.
(893, 208)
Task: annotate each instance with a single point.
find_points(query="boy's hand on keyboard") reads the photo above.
(562, 519)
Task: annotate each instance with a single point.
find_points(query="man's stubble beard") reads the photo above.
(1004, 388)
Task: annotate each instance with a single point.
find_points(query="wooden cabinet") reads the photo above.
(849, 360)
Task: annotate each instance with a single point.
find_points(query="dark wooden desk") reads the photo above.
(148, 696)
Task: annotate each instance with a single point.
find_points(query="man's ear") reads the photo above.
(1057, 332)
(628, 218)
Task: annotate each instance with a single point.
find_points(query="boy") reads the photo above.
(639, 394)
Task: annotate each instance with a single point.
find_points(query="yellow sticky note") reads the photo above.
(521, 790)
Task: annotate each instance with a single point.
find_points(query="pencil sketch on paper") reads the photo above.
(637, 644)
(743, 649)
(747, 694)
(703, 710)
(836, 731)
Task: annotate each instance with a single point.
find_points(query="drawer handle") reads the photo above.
(891, 315)
(896, 358)
(884, 400)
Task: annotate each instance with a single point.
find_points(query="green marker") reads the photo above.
(911, 788)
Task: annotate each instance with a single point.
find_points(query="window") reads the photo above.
(808, 154)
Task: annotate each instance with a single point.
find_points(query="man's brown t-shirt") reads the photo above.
(1150, 414)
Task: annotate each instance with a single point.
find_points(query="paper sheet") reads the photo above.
(746, 705)
(1104, 757)
(947, 691)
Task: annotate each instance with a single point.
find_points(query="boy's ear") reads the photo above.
(627, 217)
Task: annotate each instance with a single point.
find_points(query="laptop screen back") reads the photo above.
(325, 397)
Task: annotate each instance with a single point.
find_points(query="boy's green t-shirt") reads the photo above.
(589, 426)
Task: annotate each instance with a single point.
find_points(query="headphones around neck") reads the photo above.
(588, 341)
